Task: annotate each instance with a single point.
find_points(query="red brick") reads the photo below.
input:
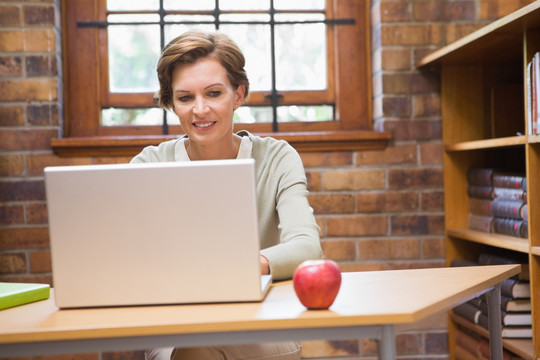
(28, 278)
(436, 343)
(27, 139)
(391, 201)
(369, 347)
(363, 266)
(41, 65)
(339, 250)
(427, 105)
(89, 356)
(396, 59)
(12, 263)
(27, 90)
(10, 15)
(11, 164)
(312, 159)
(24, 238)
(494, 9)
(331, 204)
(417, 224)
(395, 11)
(43, 114)
(409, 344)
(432, 200)
(326, 348)
(353, 179)
(38, 15)
(392, 154)
(444, 11)
(36, 163)
(10, 66)
(431, 153)
(388, 249)
(40, 261)
(358, 225)
(22, 190)
(11, 214)
(27, 40)
(407, 34)
(36, 213)
(397, 83)
(408, 178)
(455, 31)
(414, 130)
(313, 180)
(394, 106)
(433, 248)
(11, 115)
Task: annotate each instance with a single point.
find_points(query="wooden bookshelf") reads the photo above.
(484, 124)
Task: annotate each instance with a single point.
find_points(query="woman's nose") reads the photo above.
(200, 106)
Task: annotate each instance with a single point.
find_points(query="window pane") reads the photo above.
(253, 114)
(172, 31)
(305, 67)
(299, 4)
(263, 114)
(133, 4)
(133, 54)
(305, 113)
(244, 4)
(254, 41)
(126, 18)
(141, 117)
(189, 5)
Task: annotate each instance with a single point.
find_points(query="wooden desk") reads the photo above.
(368, 305)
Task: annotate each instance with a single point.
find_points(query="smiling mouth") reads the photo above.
(204, 125)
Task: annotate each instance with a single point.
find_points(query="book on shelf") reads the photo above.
(516, 318)
(533, 83)
(14, 294)
(477, 345)
(491, 258)
(510, 181)
(510, 227)
(509, 193)
(480, 206)
(516, 288)
(506, 208)
(480, 191)
(480, 222)
(480, 176)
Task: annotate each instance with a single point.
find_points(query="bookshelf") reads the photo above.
(484, 122)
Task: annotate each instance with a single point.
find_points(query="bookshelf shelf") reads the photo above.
(487, 144)
(484, 105)
(520, 347)
(496, 240)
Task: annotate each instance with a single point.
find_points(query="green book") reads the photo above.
(14, 294)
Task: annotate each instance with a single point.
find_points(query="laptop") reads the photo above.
(157, 233)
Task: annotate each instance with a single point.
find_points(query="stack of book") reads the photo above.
(515, 299)
(471, 346)
(498, 202)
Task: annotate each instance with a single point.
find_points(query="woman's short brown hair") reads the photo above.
(192, 46)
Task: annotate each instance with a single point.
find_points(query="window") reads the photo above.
(311, 86)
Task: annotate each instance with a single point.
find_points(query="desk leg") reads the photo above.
(493, 298)
(387, 343)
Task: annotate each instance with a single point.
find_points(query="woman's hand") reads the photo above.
(265, 267)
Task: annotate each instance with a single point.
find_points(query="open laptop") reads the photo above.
(158, 233)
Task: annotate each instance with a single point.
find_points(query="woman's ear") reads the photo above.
(239, 96)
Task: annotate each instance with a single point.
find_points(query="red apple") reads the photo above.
(317, 283)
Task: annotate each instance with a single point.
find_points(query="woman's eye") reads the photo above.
(185, 98)
(214, 93)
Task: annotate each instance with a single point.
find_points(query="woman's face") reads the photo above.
(204, 100)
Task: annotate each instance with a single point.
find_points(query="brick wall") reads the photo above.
(376, 209)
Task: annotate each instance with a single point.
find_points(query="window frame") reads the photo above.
(83, 91)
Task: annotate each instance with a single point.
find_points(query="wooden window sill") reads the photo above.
(354, 140)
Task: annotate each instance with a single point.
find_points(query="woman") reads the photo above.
(202, 80)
